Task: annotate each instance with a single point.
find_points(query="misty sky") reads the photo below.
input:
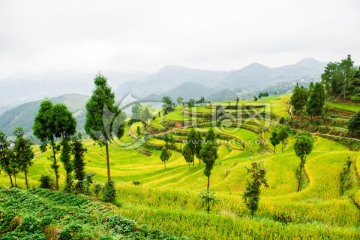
(45, 36)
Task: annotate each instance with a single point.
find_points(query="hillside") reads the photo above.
(168, 199)
(24, 114)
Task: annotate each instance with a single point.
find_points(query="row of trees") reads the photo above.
(140, 113)
(169, 105)
(17, 156)
(55, 126)
(205, 151)
(279, 134)
(342, 80)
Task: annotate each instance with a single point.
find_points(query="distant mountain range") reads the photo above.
(24, 114)
(177, 81)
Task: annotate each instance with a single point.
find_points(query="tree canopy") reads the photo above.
(342, 80)
(299, 98)
(354, 124)
(104, 120)
(51, 122)
(314, 106)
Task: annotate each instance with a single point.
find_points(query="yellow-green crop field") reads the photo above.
(168, 199)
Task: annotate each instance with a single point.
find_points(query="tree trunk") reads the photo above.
(208, 183)
(300, 179)
(164, 164)
(282, 147)
(189, 165)
(208, 202)
(11, 181)
(300, 175)
(274, 149)
(26, 180)
(15, 179)
(108, 161)
(55, 168)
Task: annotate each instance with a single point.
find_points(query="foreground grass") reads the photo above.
(41, 213)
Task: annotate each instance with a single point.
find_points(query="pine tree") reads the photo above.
(6, 155)
(316, 102)
(23, 153)
(299, 99)
(104, 122)
(65, 158)
(78, 150)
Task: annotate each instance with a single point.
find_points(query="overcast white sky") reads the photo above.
(143, 35)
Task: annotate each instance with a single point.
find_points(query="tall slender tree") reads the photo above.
(78, 150)
(198, 145)
(53, 122)
(189, 157)
(23, 152)
(303, 146)
(316, 102)
(299, 99)
(283, 134)
(104, 119)
(6, 156)
(65, 158)
(274, 139)
(191, 143)
(164, 156)
(252, 191)
(209, 154)
(347, 70)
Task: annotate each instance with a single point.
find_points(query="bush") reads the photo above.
(282, 218)
(97, 188)
(120, 225)
(8, 221)
(354, 123)
(46, 182)
(71, 232)
(109, 192)
(30, 224)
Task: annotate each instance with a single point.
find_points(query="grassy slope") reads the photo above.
(168, 199)
(344, 106)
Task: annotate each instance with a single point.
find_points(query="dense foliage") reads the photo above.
(43, 214)
(342, 80)
(251, 194)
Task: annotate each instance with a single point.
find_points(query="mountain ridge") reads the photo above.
(24, 114)
(252, 77)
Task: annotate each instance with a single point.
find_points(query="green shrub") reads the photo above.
(282, 218)
(30, 224)
(109, 192)
(8, 222)
(120, 225)
(98, 187)
(46, 182)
